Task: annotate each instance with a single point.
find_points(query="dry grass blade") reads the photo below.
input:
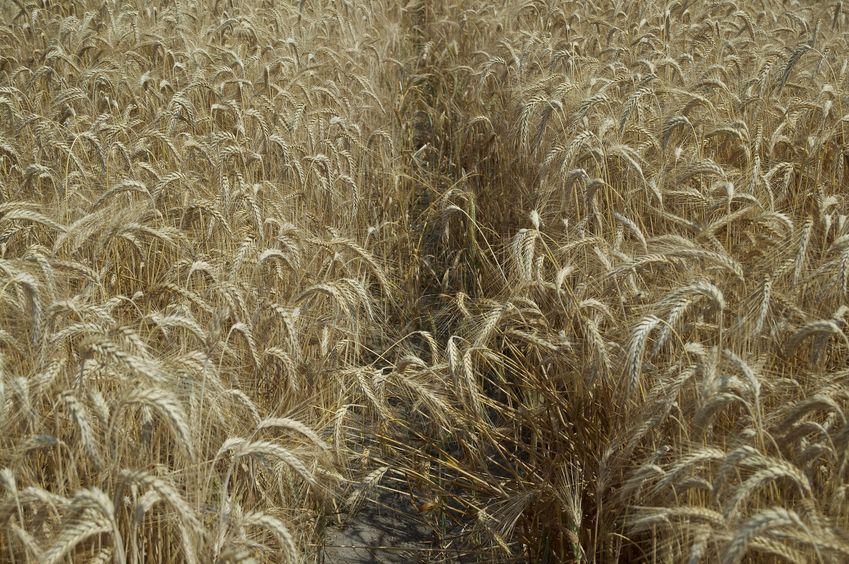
(73, 533)
(244, 448)
(168, 407)
(293, 425)
(636, 347)
(766, 520)
(820, 327)
(278, 529)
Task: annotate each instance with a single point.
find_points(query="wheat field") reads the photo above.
(572, 276)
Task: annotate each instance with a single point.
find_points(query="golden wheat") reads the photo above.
(578, 271)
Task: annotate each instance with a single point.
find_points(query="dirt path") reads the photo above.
(388, 529)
